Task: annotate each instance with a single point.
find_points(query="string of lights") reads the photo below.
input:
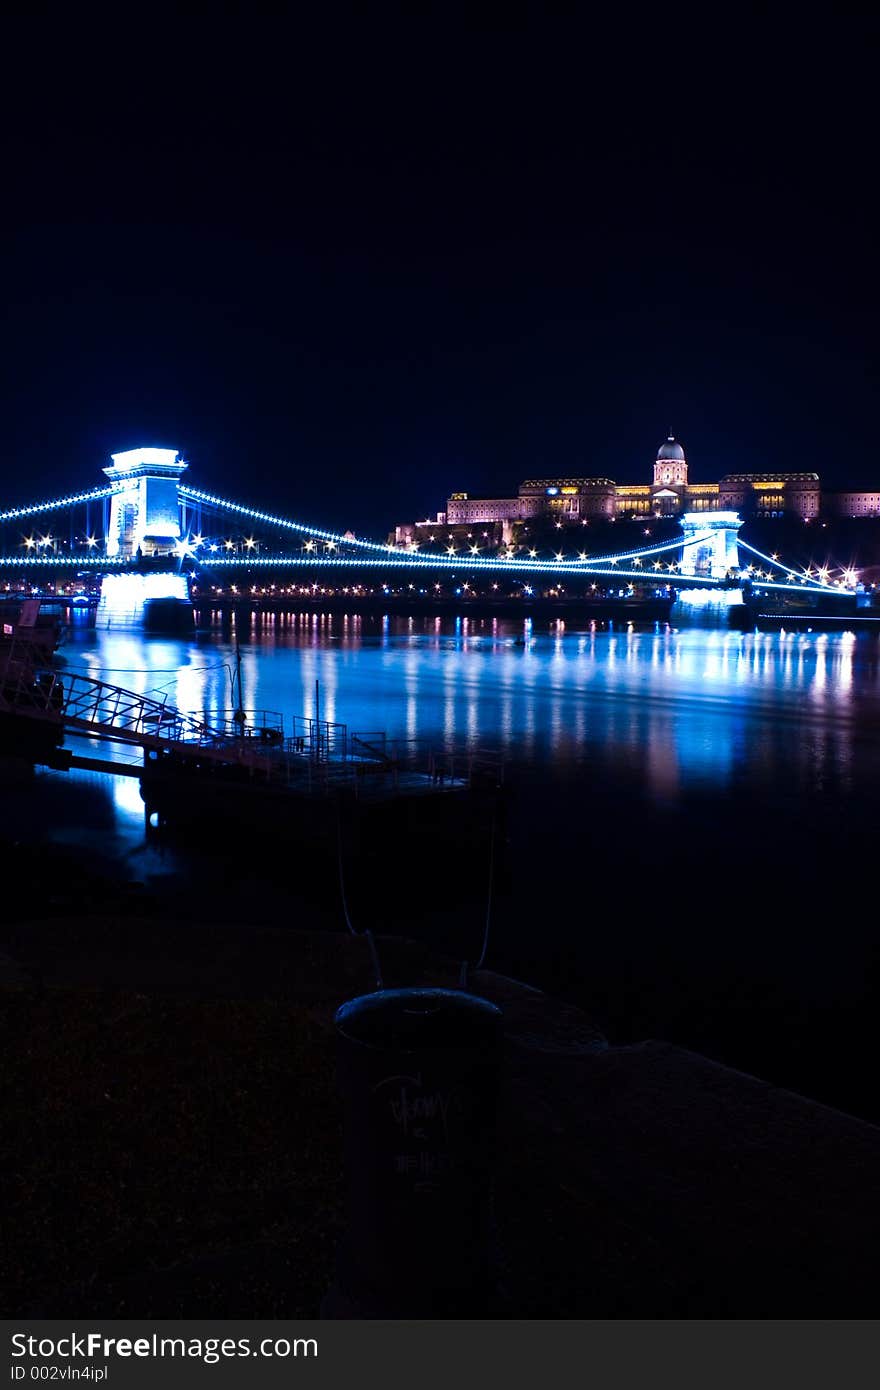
(336, 538)
(468, 564)
(375, 555)
(285, 523)
(96, 494)
(803, 580)
(70, 561)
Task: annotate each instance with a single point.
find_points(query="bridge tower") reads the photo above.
(713, 556)
(145, 520)
(145, 511)
(717, 553)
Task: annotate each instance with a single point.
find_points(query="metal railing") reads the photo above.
(263, 725)
(85, 703)
(318, 756)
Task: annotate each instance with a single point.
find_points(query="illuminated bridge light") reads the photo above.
(359, 553)
(806, 579)
(285, 523)
(94, 495)
(56, 561)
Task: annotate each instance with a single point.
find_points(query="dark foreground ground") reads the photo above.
(171, 1143)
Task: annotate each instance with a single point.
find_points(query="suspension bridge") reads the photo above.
(147, 513)
(147, 529)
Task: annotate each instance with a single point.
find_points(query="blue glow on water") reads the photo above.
(674, 705)
(657, 714)
(690, 832)
(124, 597)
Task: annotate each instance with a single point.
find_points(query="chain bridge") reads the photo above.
(148, 516)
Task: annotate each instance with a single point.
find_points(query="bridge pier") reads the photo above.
(155, 601)
(709, 608)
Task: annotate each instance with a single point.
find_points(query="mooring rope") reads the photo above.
(463, 974)
(366, 933)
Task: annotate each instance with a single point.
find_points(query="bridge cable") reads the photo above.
(224, 504)
(803, 580)
(59, 503)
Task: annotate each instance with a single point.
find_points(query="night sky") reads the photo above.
(347, 271)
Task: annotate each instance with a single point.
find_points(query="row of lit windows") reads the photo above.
(542, 484)
(637, 500)
(770, 478)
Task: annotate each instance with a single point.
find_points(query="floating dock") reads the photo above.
(219, 762)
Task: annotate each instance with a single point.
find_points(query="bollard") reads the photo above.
(418, 1069)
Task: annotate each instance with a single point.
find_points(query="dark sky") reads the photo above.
(348, 270)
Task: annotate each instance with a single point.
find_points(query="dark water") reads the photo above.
(693, 841)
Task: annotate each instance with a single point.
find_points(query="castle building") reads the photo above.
(852, 503)
(670, 493)
(772, 494)
(570, 499)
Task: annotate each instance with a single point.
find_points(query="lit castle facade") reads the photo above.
(671, 493)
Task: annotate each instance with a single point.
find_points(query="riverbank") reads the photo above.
(174, 1142)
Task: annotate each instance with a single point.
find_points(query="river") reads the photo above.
(693, 835)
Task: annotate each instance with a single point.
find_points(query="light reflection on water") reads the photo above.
(467, 679)
(719, 788)
(677, 709)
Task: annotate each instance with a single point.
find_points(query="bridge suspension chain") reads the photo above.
(286, 523)
(804, 581)
(468, 564)
(595, 565)
(93, 495)
(676, 544)
(376, 554)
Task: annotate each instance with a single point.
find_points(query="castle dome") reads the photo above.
(671, 450)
